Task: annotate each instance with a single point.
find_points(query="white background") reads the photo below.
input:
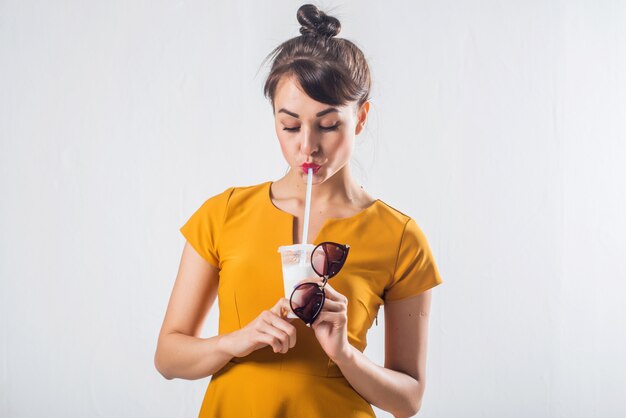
(500, 126)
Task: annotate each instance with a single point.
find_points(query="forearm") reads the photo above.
(390, 390)
(188, 357)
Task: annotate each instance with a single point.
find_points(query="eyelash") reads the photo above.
(330, 128)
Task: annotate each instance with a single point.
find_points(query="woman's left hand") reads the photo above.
(331, 325)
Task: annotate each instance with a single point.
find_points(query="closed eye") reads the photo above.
(324, 128)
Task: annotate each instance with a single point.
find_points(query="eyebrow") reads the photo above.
(319, 114)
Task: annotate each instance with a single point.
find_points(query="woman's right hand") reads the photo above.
(269, 328)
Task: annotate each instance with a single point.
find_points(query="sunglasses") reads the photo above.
(307, 299)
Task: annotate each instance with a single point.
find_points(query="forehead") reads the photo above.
(290, 95)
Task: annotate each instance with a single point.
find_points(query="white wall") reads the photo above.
(498, 125)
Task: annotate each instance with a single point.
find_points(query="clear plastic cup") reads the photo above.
(293, 270)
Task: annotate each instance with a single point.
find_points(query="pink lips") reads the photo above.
(306, 166)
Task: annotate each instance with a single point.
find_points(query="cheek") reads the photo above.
(287, 145)
(342, 147)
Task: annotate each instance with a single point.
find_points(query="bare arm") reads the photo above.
(180, 352)
(399, 386)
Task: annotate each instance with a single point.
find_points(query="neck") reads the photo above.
(341, 188)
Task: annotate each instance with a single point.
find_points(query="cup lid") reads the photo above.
(295, 247)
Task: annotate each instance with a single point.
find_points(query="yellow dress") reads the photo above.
(239, 231)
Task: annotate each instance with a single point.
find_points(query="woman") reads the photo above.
(264, 364)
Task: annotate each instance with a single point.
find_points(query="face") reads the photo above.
(313, 132)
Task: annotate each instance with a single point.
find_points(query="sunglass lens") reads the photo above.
(327, 259)
(306, 301)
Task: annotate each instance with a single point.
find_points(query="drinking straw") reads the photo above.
(307, 210)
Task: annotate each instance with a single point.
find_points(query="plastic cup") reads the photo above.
(296, 269)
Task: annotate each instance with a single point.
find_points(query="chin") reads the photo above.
(317, 178)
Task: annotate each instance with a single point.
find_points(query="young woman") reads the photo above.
(264, 364)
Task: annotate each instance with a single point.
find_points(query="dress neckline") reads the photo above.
(360, 213)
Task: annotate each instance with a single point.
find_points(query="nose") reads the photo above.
(310, 143)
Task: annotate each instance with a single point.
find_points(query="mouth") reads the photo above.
(306, 166)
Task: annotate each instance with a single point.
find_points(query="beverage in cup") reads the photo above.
(296, 263)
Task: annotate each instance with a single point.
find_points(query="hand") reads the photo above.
(269, 328)
(331, 325)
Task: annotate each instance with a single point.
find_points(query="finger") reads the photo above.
(270, 340)
(337, 318)
(284, 326)
(277, 308)
(333, 306)
(281, 307)
(283, 338)
(332, 294)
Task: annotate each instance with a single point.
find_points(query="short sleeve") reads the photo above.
(203, 228)
(415, 270)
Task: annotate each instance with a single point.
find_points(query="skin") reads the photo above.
(399, 386)
(306, 138)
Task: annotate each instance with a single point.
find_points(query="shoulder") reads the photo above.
(392, 216)
(243, 196)
(236, 194)
(251, 191)
(403, 227)
(238, 198)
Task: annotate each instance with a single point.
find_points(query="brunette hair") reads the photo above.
(330, 70)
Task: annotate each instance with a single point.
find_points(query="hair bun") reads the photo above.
(317, 23)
